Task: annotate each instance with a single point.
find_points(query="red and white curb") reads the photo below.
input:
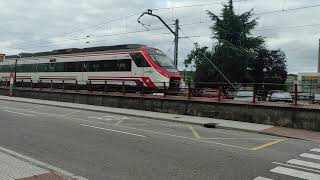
(15, 166)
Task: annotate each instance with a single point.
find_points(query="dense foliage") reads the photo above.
(236, 53)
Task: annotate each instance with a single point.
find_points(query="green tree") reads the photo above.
(274, 63)
(234, 50)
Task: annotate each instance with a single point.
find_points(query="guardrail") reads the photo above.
(240, 93)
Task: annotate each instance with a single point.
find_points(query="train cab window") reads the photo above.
(139, 60)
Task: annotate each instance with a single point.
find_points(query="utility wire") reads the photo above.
(204, 55)
(117, 19)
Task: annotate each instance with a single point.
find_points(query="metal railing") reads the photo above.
(240, 93)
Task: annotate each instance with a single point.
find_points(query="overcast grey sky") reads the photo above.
(35, 25)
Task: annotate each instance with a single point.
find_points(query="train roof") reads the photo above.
(80, 50)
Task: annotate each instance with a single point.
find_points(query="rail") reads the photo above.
(290, 95)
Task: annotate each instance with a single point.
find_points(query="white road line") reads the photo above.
(112, 130)
(297, 167)
(312, 156)
(108, 116)
(20, 113)
(304, 163)
(261, 178)
(295, 173)
(315, 150)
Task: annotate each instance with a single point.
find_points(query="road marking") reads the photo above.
(194, 132)
(259, 139)
(297, 167)
(295, 173)
(71, 113)
(315, 150)
(304, 163)
(119, 122)
(166, 134)
(35, 112)
(312, 156)
(268, 144)
(20, 113)
(154, 132)
(112, 130)
(99, 118)
(138, 124)
(261, 178)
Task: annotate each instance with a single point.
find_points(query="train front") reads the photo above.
(167, 75)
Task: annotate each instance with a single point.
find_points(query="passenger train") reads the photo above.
(133, 64)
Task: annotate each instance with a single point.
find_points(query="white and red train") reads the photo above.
(133, 64)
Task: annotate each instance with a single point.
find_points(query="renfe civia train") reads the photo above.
(132, 63)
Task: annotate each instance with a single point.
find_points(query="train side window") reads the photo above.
(72, 67)
(59, 67)
(139, 60)
(52, 67)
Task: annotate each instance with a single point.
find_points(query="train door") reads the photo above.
(136, 69)
(85, 68)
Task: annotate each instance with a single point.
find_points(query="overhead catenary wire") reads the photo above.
(26, 44)
(208, 60)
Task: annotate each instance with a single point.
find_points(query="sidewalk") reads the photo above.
(225, 124)
(12, 168)
(15, 166)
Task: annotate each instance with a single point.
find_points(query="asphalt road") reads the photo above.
(108, 146)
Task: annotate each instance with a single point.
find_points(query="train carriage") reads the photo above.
(133, 64)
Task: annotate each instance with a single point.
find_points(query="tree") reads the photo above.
(200, 56)
(235, 51)
(274, 63)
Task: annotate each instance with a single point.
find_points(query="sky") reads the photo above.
(36, 26)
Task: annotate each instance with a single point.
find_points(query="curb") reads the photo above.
(64, 174)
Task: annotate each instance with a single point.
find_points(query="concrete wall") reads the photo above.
(278, 116)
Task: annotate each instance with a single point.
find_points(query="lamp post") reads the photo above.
(264, 77)
(13, 77)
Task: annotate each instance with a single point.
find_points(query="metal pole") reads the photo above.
(220, 89)
(189, 90)
(77, 88)
(40, 85)
(105, 87)
(254, 93)
(123, 88)
(176, 43)
(295, 94)
(164, 88)
(15, 71)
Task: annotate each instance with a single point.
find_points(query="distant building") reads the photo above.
(319, 58)
(2, 57)
(309, 82)
(291, 78)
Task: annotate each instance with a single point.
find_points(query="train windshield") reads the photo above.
(162, 60)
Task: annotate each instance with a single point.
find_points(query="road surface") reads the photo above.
(109, 146)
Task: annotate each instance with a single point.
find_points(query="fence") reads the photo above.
(244, 93)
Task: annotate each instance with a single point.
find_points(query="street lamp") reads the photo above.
(15, 68)
(13, 81)
(264, 74)
(264, 77)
